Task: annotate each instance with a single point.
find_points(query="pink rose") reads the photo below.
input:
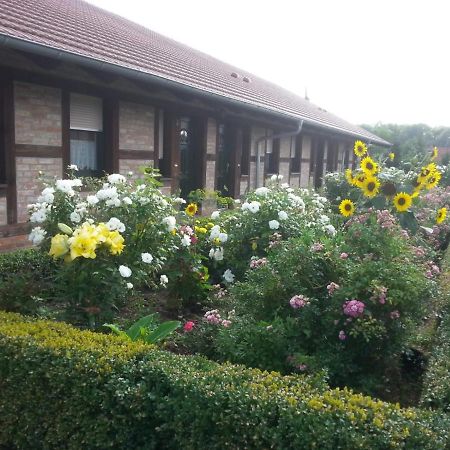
(188, 326)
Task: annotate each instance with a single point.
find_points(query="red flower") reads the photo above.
(188, 326)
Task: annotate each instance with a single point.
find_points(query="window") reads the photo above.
(245, 156)
(273, 156)
(86, 134)
(296, 154)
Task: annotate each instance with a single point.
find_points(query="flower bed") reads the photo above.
(74, 389)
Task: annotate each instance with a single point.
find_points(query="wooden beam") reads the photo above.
(9, 141)
(65, 130)
(136, 154)
(39, 151)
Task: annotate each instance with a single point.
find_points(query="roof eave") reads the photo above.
(65, 55)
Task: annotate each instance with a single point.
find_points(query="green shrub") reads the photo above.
(24, 281)
(371, 265)
(74, 390)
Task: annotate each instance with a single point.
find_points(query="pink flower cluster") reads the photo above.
(382, 295)
(187, 230)
(343, 255)
(299, 301)
(431, 269)
(317, 247)
(213, 317)
(332, 287)
(255, 263)
(385, 219)
(342, 336)
(395, 315)
(353, 308)
(275, 239)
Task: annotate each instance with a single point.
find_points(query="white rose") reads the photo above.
(163, 280)
(223, 237)
(116, 178)
(92, 199)
(186, 241)
(129, 285)
(218, 254)
(115, 224)
(228, 276)
(147, 258)
(215, 215)
(262, 191)
(38, 216)
(37, 235)
(127, 200)
(170, 222)
(75, 217)
(282, 215)
(125, 271)
(72, 167)
(274, 224)
(253, 207)
(330, 230)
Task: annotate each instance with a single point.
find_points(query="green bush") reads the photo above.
(436, 385)
(74, 390)
(24, 281)
(371, 265)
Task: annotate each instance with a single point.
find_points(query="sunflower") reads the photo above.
(347, 207)
(349, 176)
(391, 156)
(389, 189)
(433, 180)
(360, 148)
(371, 186)
(359, 179)
(426, 172)
(402, 201)
(191, 209)
(435, 153)
(441, 215)
(369, 166)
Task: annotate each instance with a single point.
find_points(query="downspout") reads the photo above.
(273, 136)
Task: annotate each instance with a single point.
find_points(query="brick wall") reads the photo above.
(136, 127)
(3, 215)
(28, 185)
(37, 114)
(133, 165)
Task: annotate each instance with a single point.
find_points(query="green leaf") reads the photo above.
(162, 331)
(134, 332)
(116, 330)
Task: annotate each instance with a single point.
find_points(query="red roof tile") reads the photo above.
(79, 28)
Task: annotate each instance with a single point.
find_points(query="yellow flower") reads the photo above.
(360, 149)
(402, 201)
(426, 172)
(347, 207)
(441, 215)
(116, 243)
(216, 241)
(254, 245)
(201, 230)
(391, 156)
(369, 166)
(102, 232)
(433, 180)
(371, 187)
(349, 176)
(209, 225)
(83, 244)
(435, 153)
(359, 179)
(191, 209)
(59, 245)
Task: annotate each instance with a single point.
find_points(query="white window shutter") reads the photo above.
(86, 113)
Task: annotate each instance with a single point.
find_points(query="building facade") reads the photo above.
(70, 94)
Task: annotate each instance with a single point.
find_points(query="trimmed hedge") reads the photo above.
(61, 388)
(436, 390)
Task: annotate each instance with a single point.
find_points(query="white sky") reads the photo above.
(366, 60)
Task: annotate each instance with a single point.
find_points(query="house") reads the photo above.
(80, 85)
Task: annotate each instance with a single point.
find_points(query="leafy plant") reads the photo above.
(147, 329)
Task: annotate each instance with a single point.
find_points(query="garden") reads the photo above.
(291, 318)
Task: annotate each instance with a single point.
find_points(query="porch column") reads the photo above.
(305, 161)
(285, 158)
(211, 150)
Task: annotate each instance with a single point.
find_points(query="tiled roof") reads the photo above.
(79, 28)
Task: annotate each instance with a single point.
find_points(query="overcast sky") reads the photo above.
(364, 60)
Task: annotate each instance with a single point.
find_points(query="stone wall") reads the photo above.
(28, 185)
(3, 213)
(37, 114)
(136, 127)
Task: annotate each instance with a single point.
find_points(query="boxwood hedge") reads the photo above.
(61, 388)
